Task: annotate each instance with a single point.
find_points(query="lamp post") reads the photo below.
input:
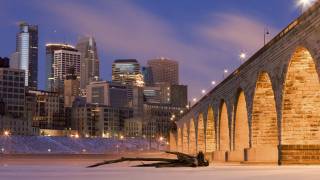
(225, 72)
(265, 34)
(242, 57)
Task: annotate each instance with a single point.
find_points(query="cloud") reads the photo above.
(237, 31)
(125, 29)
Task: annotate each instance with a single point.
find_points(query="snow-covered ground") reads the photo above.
(74, 172)
(69, 145)
(74, 169)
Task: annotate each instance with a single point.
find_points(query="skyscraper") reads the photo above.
(27, 47)
(63, 61)
(50, 63)
(164, 71)
(89, 61)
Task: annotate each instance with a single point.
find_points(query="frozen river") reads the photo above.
(74, 169)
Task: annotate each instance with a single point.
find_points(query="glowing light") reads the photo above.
(161, 138)
(6, 133)
(121, 137)
(203, 91)
(213, 83)
(49, 150)
(305, 4)
(194, 99)
(181, 111)
(243, 56)
(225, 70)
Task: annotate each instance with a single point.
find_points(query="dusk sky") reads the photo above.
(205, 36)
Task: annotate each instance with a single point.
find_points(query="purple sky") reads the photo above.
(205, 36)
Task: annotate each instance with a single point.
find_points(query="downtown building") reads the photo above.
(61, 59)
(96, 120)
(13, 113)
(46, 109)
(164, 98)
(162, 70)
(26, 55)
(89, 63)
(53, 67)
(104, 112)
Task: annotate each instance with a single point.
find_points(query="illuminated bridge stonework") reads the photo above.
(268, 110)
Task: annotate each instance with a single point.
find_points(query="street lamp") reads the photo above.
(213, 82)
(194, 99)
(225, 72)
(242, 57)
(203, 91)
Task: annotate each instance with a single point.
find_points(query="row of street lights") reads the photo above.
(303, 4)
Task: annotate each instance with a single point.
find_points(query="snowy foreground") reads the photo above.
(74, 169)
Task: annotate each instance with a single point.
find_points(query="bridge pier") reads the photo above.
(235, 156)
(219, 156)
(265, 154)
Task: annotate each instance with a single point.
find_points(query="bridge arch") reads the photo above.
(264, 127)
(192, 137)
(301, 101)
(264, 115)
(179, 139)
(200, 134)
(185, 139)
(224, 137)
(210, 131)
(241, 124)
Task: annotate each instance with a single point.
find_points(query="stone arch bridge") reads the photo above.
(268, 110)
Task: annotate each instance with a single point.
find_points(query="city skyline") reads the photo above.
(189, 39)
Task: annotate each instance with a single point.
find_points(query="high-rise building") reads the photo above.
(127, 71)
(27, 47)
(12, 91)
(89, 61)
(164, 71)
(50, 62)
(63, 61)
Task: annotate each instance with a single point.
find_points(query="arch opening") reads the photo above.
(185, 139)
(210, 132)
(192, 137)
(179, 141)
(241, 130)
(224, 138)
(264, 115)
(200, 134)
(301, 101)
